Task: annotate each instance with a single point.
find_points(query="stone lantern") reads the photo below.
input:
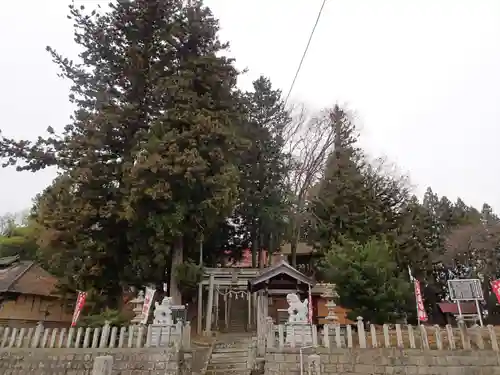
(137, 303)
(330, 304)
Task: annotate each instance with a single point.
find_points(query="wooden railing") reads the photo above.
(364, 336)
(107, 336)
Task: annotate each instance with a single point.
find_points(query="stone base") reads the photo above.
(164, 335)
(301, 333)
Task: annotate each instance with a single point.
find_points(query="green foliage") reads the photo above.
(150, 156)
(355, 199)
(262, 203)
(188, 276)
(368, 280)
(18, 239)
(113, 317)
(163, 149)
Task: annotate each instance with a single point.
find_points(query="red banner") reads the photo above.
(80, 302)
(495, 286)
(422, 315)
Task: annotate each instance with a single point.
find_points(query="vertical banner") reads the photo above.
(422, 315)
(495, 286)
(148, 300)
(80, 302)
(310, 310)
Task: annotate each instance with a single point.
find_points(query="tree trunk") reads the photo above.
(294, 244)
(293, 248)
(261, 254)
(270, 249)
(177, 259)
(255, 247)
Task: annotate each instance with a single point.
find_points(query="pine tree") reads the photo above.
(263, 168)
(368, 280)
(355, 200)
(149, 156)
(465, 215)
(337, 208)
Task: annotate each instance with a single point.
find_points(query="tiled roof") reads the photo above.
(11, 273)
(25, 277)
(36, 281)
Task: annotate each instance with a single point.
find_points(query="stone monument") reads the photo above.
(163, 330)
(298, 328)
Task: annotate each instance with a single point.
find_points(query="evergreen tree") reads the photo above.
(337, 209)
(355, 200)
(148, 159)
(465, 215)
(368, 281)
(263, 167)
(419, 248)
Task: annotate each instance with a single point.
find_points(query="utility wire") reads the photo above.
(305, 51)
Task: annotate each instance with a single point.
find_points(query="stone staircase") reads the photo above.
(230, 355)
(238, 316)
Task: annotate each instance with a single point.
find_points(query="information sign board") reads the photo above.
(465, 290)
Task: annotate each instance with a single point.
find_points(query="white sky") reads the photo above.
(422, 75)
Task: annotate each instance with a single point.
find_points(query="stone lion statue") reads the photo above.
(297, 311)
(163, 311)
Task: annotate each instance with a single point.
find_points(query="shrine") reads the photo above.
(241, 299)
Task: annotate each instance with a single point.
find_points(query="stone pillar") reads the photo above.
(103, 365)
(226, 308)
(257, 310)
(210, 302)
(37, 335)
(266, 305)
(249, 308)
(199, 327)
(216, 312)
(464, 334)
(313, 365)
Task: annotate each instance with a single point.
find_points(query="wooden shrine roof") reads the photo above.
(280, 268)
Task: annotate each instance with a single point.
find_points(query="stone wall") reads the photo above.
(150, 361)
(384, 361)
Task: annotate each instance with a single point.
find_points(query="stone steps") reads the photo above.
(230, 356)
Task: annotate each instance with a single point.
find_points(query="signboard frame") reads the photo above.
(472, 283)
(475, 286)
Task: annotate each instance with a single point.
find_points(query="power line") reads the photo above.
(305, 51)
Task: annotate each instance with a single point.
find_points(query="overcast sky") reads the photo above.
(422, 75)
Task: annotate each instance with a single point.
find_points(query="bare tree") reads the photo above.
(474, 251)
(309, 142)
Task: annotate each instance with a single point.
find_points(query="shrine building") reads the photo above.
(240, 298)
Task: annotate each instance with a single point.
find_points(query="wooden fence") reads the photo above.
(386, 336)
(140, 336)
